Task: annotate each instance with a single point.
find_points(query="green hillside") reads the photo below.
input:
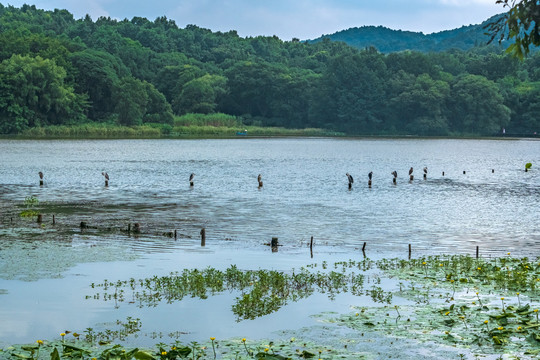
(387, 40)
(58, 73)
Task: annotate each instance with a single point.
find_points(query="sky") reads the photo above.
(302, 19)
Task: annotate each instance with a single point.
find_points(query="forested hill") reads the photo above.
(57, 70)
(387, 40)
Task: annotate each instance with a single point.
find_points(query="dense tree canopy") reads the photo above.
(55, 69)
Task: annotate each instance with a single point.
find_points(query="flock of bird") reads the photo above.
(370, 176)
(259, 177)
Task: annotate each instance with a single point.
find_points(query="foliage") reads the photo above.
(261, 292)
(520, 23)
(481, 306)
(30, 202)
(58, 72)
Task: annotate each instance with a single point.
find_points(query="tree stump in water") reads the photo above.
(203, 237)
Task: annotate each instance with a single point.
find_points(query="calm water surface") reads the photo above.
(305, 194)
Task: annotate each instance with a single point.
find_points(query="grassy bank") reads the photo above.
(186, 126)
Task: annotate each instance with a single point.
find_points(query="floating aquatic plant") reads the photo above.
(261, 291)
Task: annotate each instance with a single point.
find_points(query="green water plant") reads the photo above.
(30, 202)
(260, 292)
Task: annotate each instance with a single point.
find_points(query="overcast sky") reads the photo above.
(303, 19)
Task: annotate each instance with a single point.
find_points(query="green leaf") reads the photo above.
(55, 355)
(143, 355)
(265, 356)
(307, 355)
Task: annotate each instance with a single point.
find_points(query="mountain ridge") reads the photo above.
(387, 40)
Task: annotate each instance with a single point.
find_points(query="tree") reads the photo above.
(131, 99)
(201, 95)
(158, 110)
(522, 22)
(423, 106)
(96, 73)
(478, 106)
(33, 93)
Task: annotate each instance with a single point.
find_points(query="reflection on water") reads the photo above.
(305, 194)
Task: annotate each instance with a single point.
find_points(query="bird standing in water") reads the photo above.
(351, 180)
(106, 176)
(191, 179)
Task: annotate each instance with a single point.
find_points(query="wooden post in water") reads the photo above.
(274, 244)
(53, 220)
(492, 171)
(40, 178)
(311, 247)
(443, 173)
(477, 251)
(129, 229)
(39, 218)
(464, 172)
(409, 251)
(136, 228)
(203, 237)
(259, 180)
(175, 234)
(411, 177)
(364, 249)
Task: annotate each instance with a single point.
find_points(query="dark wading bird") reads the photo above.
(259, 180)
(395, 174)
(410, 171)
(425, 170)
(41, 175)
(370, 175)
(106, 178)
(351, 180)
(191, 179)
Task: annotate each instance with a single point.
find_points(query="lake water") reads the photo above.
(305, 194)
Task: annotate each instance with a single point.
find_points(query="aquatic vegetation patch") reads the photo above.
(489, 306)
(261, 292)
(73, 346)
